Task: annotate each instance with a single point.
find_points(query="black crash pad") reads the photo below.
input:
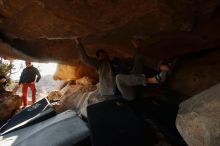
(39, 111)
(113, 123)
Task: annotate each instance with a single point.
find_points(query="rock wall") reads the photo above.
(78, 96)
(68, 72)
(192, 73)
(198, 118)
(196, 73)
(43, 29)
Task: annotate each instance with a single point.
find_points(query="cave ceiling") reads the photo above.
(43, 29)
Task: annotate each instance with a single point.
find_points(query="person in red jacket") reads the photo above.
(28, 79)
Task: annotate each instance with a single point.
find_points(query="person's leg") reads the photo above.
(125, 83)
(33, 89)
(24, 94)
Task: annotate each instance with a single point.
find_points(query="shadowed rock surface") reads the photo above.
(9, 104)
(186, 29)
(174, 27)
(77, 96)
(43, 30)
(198, 120)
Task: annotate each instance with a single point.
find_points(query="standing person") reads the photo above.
(28, 79)
(102, 64)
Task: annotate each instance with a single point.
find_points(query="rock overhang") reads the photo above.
(44, 30)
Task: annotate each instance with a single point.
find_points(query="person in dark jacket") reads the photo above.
(28, 79)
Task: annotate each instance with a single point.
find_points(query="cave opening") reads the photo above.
(45, 85)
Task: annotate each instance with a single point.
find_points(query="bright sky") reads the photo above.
(44, 68)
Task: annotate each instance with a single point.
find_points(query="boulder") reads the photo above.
(198, 118)
(9, 104)
(54, 96)
(83, 97)
(68, 88)
(78, 96)
(75, 100)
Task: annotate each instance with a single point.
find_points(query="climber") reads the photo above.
(137, 76)
(106, 68)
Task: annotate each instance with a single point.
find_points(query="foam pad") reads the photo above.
(113, 123)
(39, 111)
(64, 129)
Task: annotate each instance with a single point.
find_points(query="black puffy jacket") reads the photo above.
(29, 74)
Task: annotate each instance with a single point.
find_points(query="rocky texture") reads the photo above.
(193, 72)
(68, 72)
(43, 30)
(78, 96)
(54, 96)
(198, 118)
(175, 27)
(79, 99)
(8, 105)
(196, 72)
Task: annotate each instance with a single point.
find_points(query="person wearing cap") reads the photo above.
(126, 83)
(29, 76)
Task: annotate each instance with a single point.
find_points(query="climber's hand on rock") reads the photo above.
(136, 43)
(77, 40)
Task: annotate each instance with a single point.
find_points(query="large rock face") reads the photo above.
(196, 73)
(198, 118)
(78, 96)
(43, 30)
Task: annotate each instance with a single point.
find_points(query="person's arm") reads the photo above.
(38, 75)
(159, 78)
(84, 57)
(21, 78)
(152, 80)
(136, 44)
